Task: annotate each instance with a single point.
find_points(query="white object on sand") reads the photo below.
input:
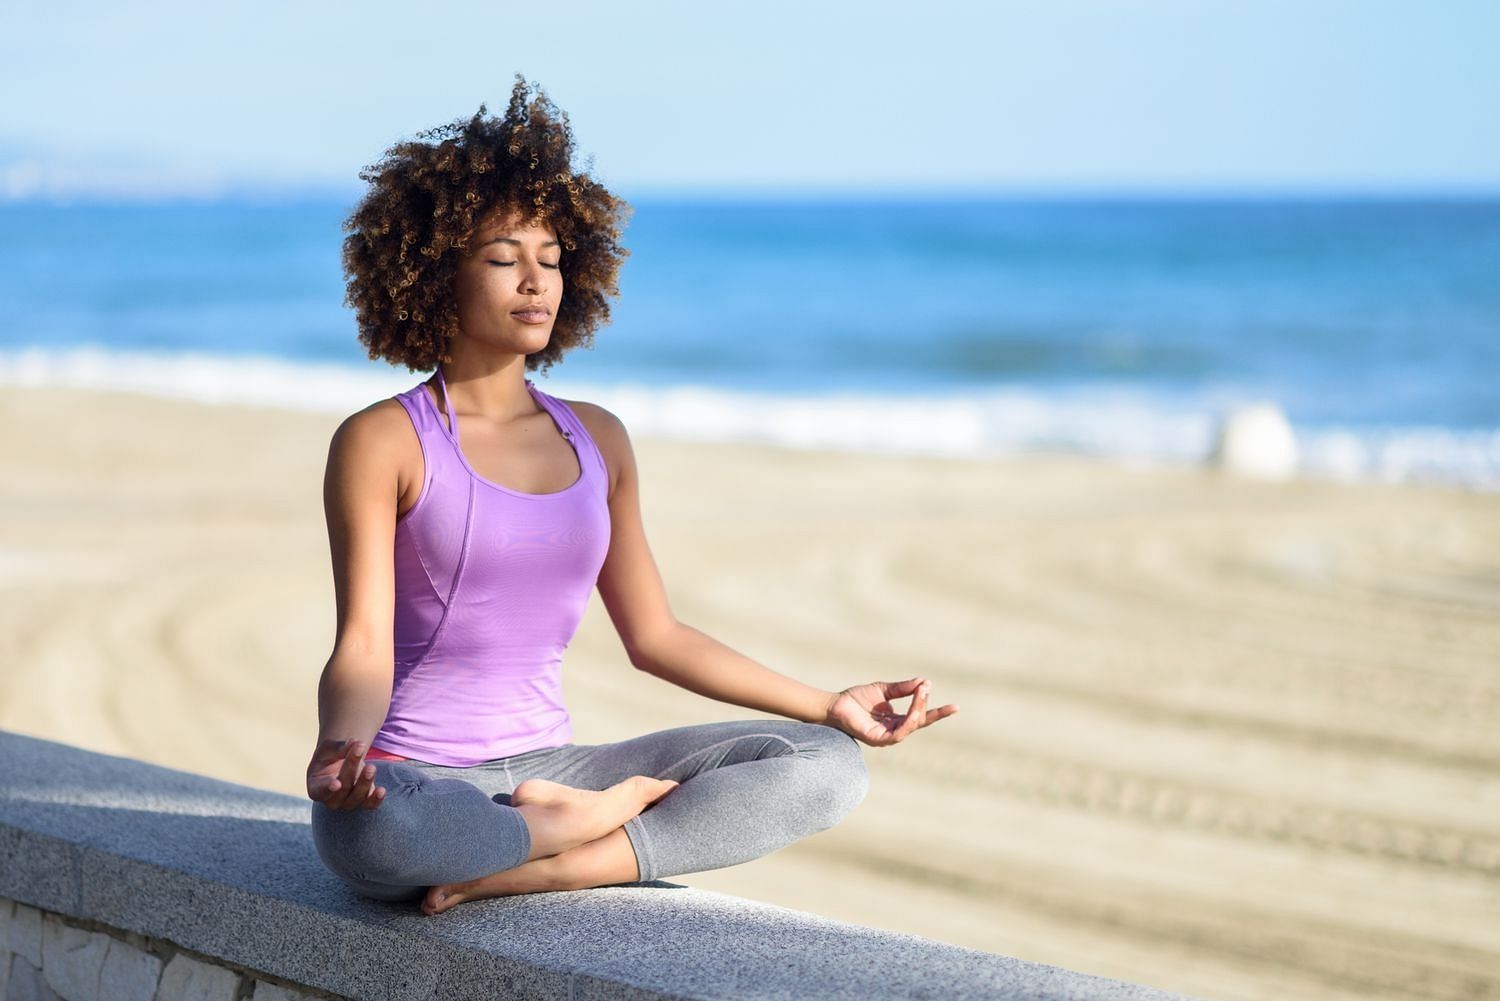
(1256, 440)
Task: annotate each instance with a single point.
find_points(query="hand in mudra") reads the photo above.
(865, 712)
(337, 779)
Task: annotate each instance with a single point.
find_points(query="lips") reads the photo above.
(535, 314)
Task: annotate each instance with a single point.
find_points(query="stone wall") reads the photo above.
(51, 957)
(122, 879)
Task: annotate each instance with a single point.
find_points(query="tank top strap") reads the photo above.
(450, 427)
(424, 413)
(573, 428)
(430, 420)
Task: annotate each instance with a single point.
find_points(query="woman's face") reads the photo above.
(509, 286)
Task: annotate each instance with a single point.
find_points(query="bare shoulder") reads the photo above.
(377, 427)
(376, 449)
(596, 418)
(608, 432)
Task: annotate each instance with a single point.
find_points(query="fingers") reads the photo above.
(320, 784)
(343, 782)
(920, 716)
(912, 721)
(363, 787)
(931, 716)
(352, 787)
(879, 726)
(941, 712)
(898, 689)
(326, 753)
(914, 715)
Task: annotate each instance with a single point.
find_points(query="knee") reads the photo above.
(366, 845)
(343, 839)
(841, 778)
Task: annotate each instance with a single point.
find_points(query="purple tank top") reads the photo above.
(491, 584)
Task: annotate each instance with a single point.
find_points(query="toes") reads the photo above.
(439, 899)
(652, 789)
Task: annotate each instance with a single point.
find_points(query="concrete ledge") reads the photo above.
(229, 873)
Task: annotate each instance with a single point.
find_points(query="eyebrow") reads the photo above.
(506, 239)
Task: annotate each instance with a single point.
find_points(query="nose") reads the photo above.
(532, 282)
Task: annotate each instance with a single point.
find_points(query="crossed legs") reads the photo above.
(745, 788)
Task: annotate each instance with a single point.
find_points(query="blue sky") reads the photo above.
(933, 97)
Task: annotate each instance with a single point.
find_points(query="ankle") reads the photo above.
(549, 830)
(604, 861)
(545, 875)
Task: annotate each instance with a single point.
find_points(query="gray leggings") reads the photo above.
(748, 787)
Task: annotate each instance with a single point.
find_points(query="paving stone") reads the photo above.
(72, 958)
(26, 934)
(4, 974)
(189, 979)
(27, 983)
(129, 974)
(7, 909)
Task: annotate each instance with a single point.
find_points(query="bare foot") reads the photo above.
(560, 817)
(536, 876)
(604, 862)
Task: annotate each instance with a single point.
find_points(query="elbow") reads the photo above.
(640, 661)
(648, 652)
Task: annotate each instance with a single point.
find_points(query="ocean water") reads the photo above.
(1118, 328)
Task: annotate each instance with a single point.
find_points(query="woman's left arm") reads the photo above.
(655, 642)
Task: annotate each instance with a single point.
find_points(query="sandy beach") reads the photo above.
(1229, 738)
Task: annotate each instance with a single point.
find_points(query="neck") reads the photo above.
(499, 395)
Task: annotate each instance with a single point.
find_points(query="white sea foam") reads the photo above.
(1132, 427)
(207, 378)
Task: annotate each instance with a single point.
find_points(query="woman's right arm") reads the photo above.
(359, 501)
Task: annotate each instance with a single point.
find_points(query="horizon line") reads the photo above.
(704, 194)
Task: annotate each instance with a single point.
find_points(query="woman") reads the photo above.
(470, 518)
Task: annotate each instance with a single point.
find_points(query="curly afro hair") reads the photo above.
(427, 197)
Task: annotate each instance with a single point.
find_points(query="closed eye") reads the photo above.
(511, 264)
